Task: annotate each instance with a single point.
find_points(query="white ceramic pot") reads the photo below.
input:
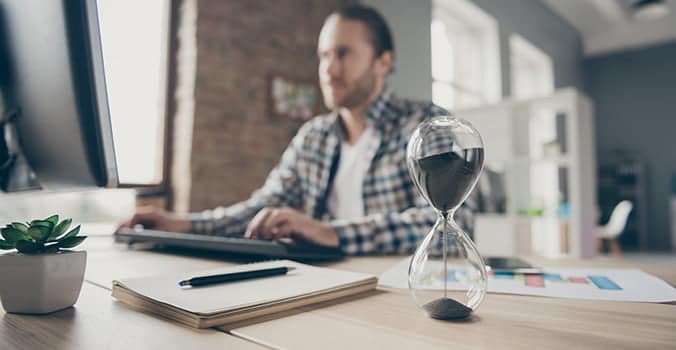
(42, 283)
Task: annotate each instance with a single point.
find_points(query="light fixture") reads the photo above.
(649, 9)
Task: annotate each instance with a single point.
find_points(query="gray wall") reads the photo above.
(635, 104)
(539, 25)
(410, 25)
(410, 22)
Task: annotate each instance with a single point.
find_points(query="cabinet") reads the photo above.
(544, 150)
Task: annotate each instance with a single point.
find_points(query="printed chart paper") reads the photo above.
(575, 283)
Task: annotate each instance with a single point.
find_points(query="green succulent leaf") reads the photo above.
(70, 242)
(11, 235)
(41, 223)
(19, 226)
(52, 248)
(28, 247)
(60, 229)
(54, 219)
(4, 245)
(40, 236)
(71, 233)
(39, 233)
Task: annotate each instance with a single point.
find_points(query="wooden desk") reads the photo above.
(390, 320)
(386, 318)
(99, 322)
(107, 261)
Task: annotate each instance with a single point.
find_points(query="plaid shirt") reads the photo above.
(396, 217)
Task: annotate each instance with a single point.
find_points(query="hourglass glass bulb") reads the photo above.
(447, 275)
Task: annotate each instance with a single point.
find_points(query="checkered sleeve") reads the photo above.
(281, 188)
(395, 232)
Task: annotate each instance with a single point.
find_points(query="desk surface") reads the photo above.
(386, 318)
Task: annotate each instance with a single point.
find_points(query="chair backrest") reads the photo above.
(618, 218)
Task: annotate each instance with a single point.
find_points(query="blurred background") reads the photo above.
(576, 101)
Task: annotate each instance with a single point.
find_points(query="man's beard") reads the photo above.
(359, 94)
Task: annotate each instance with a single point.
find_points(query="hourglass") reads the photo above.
(446, 276)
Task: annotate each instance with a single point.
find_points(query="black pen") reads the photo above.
(234, 276)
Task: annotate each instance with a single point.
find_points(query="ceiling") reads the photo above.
(610, 25)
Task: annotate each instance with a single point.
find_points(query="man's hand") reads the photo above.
(158, 219)
(276, 223)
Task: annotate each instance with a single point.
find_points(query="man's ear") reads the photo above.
(385, 63)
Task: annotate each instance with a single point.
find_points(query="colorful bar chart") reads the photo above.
(538, 280)
(603, 282)
(558, 282)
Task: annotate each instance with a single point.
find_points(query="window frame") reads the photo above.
(163, 187)
(485, 27)
(522, 49)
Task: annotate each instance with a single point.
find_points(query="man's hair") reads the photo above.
(379, 31)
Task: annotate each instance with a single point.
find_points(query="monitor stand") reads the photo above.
(15, 172)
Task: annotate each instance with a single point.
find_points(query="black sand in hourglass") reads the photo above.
(446, 178)
(446, 309)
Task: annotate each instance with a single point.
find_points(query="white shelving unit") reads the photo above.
(546, 149)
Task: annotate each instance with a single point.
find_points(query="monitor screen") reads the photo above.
(53, 82)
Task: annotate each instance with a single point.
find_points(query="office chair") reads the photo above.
(614, 227)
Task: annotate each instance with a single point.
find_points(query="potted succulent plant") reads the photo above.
(42, 276)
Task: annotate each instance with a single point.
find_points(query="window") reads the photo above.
(532, 74)
(465, 55)
(134, 37)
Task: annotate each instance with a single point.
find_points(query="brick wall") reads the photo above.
(239, 42)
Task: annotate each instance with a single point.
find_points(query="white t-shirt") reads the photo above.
(346, 200)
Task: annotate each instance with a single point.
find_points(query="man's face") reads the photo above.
(349, 73)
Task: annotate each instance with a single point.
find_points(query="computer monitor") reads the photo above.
(53, 79)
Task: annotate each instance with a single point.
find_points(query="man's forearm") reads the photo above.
(397, 232)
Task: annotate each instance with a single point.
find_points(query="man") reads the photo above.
(343, 180)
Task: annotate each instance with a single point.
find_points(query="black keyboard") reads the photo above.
(237, 247)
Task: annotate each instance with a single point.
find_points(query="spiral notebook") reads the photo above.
(221, 304)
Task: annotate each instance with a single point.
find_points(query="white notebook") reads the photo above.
(220, 304)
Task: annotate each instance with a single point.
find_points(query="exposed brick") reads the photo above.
(239, 42)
